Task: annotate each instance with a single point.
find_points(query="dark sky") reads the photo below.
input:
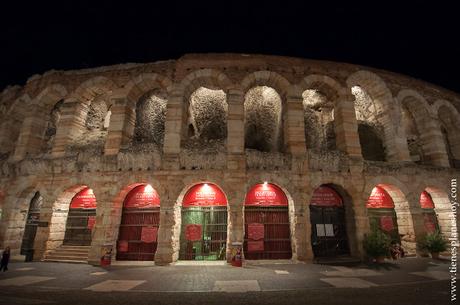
(420, 41)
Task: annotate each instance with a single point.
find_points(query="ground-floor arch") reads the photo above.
(81, 219)
(329, 236)
(204, 221)
(140, 220)
(266, 223)
(389, 211)
(30, 229)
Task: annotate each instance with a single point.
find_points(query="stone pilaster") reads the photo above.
(30, 140)
(294, 127)
(121, 128)
(70, 126)
(434, 147)
(346, 126)
(175, 118)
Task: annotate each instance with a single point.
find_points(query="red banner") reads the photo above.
(379, 199)
(426, 202)
(386, 223)
(85, 199)
(122, 246)
(91, 222)
(204, 194)
(256, 231)
(193, 232)
(266, 194)
(142, 197)
(327, 197)
(429, 222)
(149, 234)
(255, 246)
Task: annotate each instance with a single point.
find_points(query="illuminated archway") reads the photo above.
(140, 220)
(204, 223)
(389, 211)
(81, 219)
(266, 222)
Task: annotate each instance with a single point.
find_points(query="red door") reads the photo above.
(267, 226)
(137, 238)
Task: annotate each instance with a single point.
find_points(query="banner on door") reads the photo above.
(193, 232)
(149, 234)
(256, 231)
(255, 246)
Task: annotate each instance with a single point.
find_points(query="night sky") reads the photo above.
(421, 41)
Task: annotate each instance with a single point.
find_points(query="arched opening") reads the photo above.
(414, 141)
(450, 128)
(440, 208)
(388, 211)
(371, 142)
(207, 119)
(204, 223)
(263, 119)
(149, 128)
(319, 121)
(266, 223)
(80, 219)
(140, 220)
(329, 236)
(96, 124)
(30, 230)
(50, 132)
(370, 130)
(430, 221)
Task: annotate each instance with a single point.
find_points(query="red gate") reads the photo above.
(267, 227)
(81, 219)
(137, 238)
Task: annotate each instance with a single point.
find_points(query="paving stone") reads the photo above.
(348, 282)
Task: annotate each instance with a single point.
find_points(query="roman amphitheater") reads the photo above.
(189, 159)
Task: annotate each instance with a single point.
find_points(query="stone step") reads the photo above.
(71, 250)
(66, 257)
(76, 261)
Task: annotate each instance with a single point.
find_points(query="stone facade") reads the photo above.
(65, 130)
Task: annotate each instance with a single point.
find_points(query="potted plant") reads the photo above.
(377, 245)
(434, 243)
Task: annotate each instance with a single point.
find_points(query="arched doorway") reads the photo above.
(137, 238)
(430, 220)
(327, 216)
(381, 212)
(204, 223)
(266, 223)
(81, 219)
(30, 230)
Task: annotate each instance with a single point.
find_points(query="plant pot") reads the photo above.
(380, 259)
(435, 255)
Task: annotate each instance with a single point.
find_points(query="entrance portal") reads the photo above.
(204, 223)
(266, 223)
(137, 239)
(430, 220)
(327, 215)
(30, 229)
(81, 219)
(382, 215)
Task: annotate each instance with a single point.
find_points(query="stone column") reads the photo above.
(346, 126)
(70, 126)
(299, 216)
(170, 221)
(13, 222)
(175, 118)
(108, 218)
(30, 139)
(235, 195)
(121, 128)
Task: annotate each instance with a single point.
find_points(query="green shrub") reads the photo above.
(377, 244)
(434, 242)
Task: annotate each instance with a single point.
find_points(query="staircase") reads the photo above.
(68, 254)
